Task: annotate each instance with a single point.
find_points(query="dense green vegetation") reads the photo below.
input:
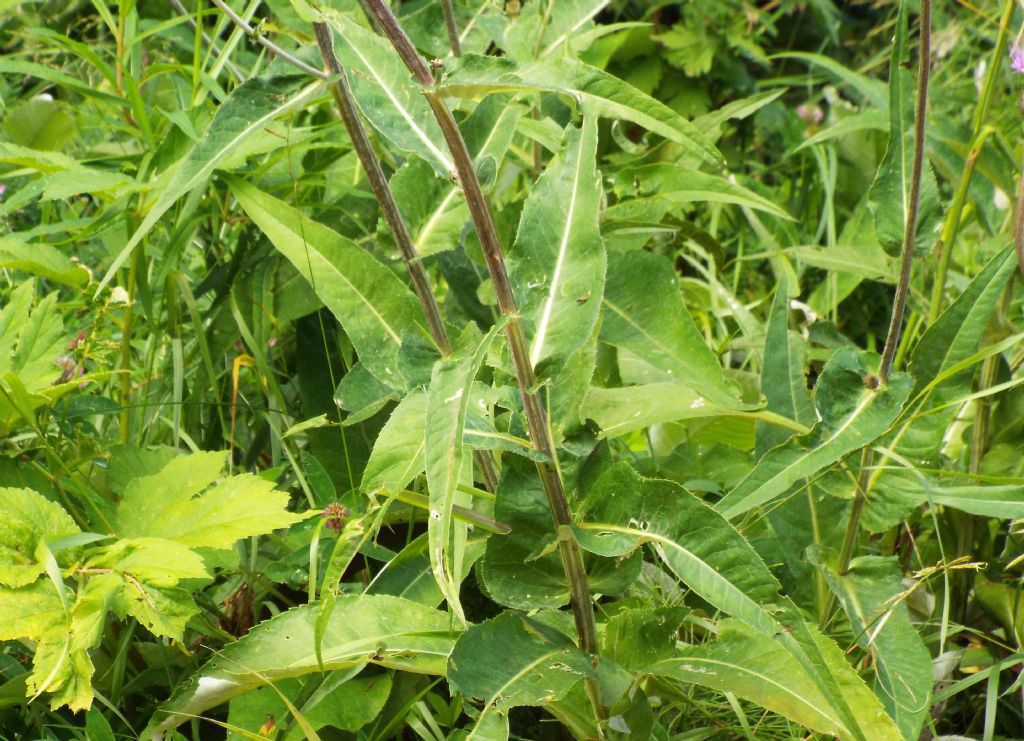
(596, 369)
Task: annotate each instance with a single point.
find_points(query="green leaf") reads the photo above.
(522, 570)
(177, 504)
(782, 375)
(397, 455)
(378, 629)
(39, 122)
(43, 260)
(557, 265)
(636, 638)
(28, 519)
(870, 594)
(595, 92)
(758, 669)
(899, 492)
(619, 411)
(156, 561)
(513, 661)
(853, 415)
(448, 400)
(31, 337)
(623, 511)
(889, 197)
(387, 95)
(249, 108)
(371, 302)
(675, 185)
(644, 313)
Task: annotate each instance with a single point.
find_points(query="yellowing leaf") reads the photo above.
(27, 518)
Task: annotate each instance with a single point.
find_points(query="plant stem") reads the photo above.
(979, 133)
(392, 215)
(899, 303)
(266, 43)
(449, 24)
(536, 416)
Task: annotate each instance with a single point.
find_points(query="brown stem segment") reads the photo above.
(533, 408)
(899, 303)
(392, 215)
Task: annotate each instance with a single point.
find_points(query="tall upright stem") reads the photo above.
(392, 215)
(536, 416)
(979, 133)
(899, 303)
(449, 24)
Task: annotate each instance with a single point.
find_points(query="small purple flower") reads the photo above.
(334, 516)
(1017, 57)
(810, 113)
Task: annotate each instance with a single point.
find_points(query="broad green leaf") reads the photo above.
(675, 184)
(249, 108)
(31, 337)
(756, 668)
(889, 197)
(635, 638)
(177, 504)
(447, 404)
(28, 519)
(619, 411)
(853, 415)
(377, 629)
(371, 302)
(623, 511)
(523, 569)
(534, 665)
(350, 539)
(43, 260)
(397, 455)
(595, 92)
(870, 595)
(409, 575)
(557, 265)
(782, 376)
(387, 95)
(156, 561)
(644, 313)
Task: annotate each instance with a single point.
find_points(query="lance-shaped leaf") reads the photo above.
(596, 92)
(557, 265)
(448, 399)
(676, 185)
(249, 108)
(757, 668)
(902, 491)
(371, 302)
(513, 661)
(386, 93)
(951, 340)
(619, 411)
(855, 410)
(397, 455)
(378, 629)
(782, 375)
(870, 595)
(644, 313)
(623, 511)
(889, 197)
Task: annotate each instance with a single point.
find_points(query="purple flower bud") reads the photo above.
(1017, 57)
(334, 516)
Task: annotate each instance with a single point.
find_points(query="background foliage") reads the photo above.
(251, 486)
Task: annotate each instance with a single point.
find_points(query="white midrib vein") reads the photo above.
(563, 248)
(420, 133)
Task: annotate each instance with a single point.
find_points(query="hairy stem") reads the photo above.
(449, 24)
(536, 416)
(899, 303)
(392, 215)
(979, 133)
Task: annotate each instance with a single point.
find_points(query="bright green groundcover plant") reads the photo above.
(461, 369)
